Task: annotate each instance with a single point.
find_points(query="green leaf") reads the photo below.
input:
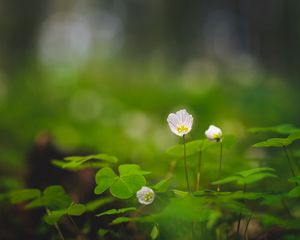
(295, 192)
(116, 211)
(131, 169)
(154, 232)
(294, 136)
(102, 232)
(105, 177)
(76, 162)
(24, 195)
(255, 178)
(236, 207)
(226, 180)
(274, 142)
(97, 203)
(249, 172)
(248, 176)
(121, 220)
(180, 193)
(55, 197)
(162, 186)
(54, 216)
(101, 156)
(283, 128)
(76, 166)
(76, 209)
(239, 195)
(126, 186)
(273, 199)
(131, 179)
(36, 203)
(294, 179)
(105, 157)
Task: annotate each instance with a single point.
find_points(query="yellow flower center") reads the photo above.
(182, 128)
(217, 136)
(148, 197)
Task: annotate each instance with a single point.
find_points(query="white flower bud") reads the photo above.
(180, 122)
(214, 133)
(145, 195)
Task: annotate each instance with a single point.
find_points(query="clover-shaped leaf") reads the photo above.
(125, 185)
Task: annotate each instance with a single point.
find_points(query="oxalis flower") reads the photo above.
(145, 195)
(180, 122)
(214, 133)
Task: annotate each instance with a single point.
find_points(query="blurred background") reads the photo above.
(102, 76)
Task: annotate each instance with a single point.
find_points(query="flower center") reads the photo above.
(182, 128)
(148, 197)
(217, 136)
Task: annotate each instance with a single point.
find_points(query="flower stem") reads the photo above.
(185, 164)
(289, 162)
(220, 165)
(240, 216)
(198, 171)
(246, 228)
(76, 227)
(61, 236)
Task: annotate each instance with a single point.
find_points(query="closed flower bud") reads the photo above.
(214, 133)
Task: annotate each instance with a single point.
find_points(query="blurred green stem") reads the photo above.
(296, 165)
(246, 228)
(61, 236)
(81, 236)
(185, 164)
(240, 216)
(198, 171)
(289, 162)
(220, 165)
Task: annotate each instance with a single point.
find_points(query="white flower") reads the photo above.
(180, 122)
(145, 195)
(214, 133)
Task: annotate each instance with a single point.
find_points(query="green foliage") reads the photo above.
(53, 197)
(180, 193)
(121, 220)
(193, 147)
(125, 185)
(24, 195)
(274, 199)
(116, 211)
(74, 209)
(102, 232)
(295, 179)
(248, 176)
(97, 203)
(186, 208)
(161, 186)
(274, 142)
(295, 192)
(154, 232)
(79, 162)
(283, 128)
(279, 142)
